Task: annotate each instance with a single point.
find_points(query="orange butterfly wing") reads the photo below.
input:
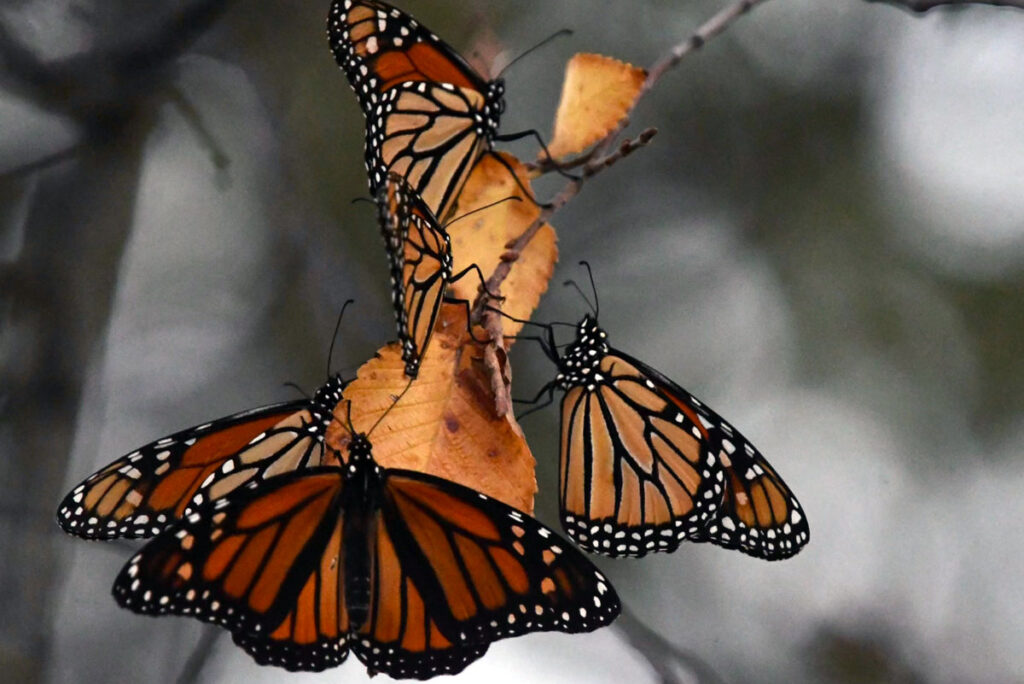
(140, 493)
(143, 492)
(484, 570)
(429, 114)
(265, 563)
(756, 513)
(760, 516)
(637, 473)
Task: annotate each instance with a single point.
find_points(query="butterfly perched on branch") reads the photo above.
(645, 465)
(415, 574)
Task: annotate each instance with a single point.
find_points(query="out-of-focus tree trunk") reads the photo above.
(59, 279)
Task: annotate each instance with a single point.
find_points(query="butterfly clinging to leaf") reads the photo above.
(414, 574)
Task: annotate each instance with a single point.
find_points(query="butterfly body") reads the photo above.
(645, 465)
(414, 574)
(429, 114)
(420, 259)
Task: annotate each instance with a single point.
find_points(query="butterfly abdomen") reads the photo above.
(363, 495)
(357, 564)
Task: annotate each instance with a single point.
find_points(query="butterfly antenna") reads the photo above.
(593, 288)
(348, 419)
(337, 327)
(585, 298)
(511, 198)
(556, 34)
(297, 389)
(544, 326)
(363, 199)
(397, 399)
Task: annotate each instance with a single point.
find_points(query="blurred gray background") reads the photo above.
(825, 242)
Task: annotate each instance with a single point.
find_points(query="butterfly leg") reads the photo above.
(540, 141)
(536, 402)
(483, 280)
(469, 313)
(526, 191)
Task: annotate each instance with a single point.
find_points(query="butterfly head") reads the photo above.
(582, 358)
(360, 454)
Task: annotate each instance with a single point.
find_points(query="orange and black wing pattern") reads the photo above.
(400, 635)
(419, 254)
(143, 492)
(759, 514)
(638, 471)
(482, 570)
(429, 115)
(266, 563)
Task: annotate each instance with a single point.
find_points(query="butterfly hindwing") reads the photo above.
(759, 515)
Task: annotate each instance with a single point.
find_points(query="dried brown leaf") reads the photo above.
(445, 424)
(483, 238)
(597, 93)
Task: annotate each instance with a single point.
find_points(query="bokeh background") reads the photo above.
(825, 242)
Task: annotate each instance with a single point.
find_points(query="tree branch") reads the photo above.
(922, 6)
(665, 658)
(603, 155)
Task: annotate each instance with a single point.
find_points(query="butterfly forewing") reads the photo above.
(429, 115)
(486, 571)
(246, 563)
(637, 471)
(141, 493)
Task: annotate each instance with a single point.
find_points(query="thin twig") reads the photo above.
(603, 155)
(922, 6)
(665, 658)
(199, 656)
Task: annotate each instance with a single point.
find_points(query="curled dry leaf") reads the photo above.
(597, 93)
(445, 424)
(483, 238)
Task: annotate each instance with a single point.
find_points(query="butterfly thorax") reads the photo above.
(579, 363)
(494, 107)
(324, 401)
(364, 486)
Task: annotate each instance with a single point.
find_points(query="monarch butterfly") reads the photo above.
(429, 114)
(645, 465)
(420, 255)
(415, 574)
(140, 494)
